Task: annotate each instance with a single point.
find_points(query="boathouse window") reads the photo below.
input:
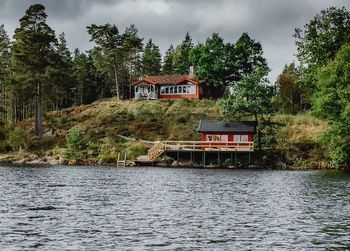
(244, 137)
(240, 138)
(217, 137)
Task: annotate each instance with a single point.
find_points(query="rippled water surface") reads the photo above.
(101, 208)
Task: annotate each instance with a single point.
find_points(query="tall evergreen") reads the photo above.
(248, 56)
(151, 59)
(4, 70)
(168, 65)
(64, 73)
(33, 57)
(88, 87)
(132, 47)
(107, 52)
(181, 58)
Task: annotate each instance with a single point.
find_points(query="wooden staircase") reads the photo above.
(156, 151)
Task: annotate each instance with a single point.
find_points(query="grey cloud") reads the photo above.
(270, 22)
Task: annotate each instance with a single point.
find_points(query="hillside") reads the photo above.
(294, 141)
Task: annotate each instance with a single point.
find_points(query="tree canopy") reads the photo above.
(289, 92)
(320, 40)
(181, 56)
(151, 59)
(332, 102)
(221, 64)
(168, 64)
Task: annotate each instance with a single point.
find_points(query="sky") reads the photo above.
(270, 22)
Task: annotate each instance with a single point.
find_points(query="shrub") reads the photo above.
(76, 145)
(18, 139)
(135, 149)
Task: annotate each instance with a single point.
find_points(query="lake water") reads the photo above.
(105, 208)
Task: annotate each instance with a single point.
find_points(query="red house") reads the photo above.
(233, 131)
(168, 87)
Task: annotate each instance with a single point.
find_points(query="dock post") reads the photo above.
(218, 158)
(236, 158)
(178, 156)
(231, 159)
(249, 158)
(191, 158)
(204, 159)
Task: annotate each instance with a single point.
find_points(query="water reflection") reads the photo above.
(185, 209)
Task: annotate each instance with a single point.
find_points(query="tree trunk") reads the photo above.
(38, 113)
(117, 90)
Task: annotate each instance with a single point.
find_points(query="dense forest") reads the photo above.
(39, 74)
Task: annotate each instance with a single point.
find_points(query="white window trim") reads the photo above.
(241, 137)
(185, 89)
(222, 137)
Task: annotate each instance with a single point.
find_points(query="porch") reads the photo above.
(146, 92)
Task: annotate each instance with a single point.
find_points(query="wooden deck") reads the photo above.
(208, 146)
(162, 147)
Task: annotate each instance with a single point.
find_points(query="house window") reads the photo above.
(166, 89)
(175, 89)
(171, 90)
(180, 89)
(162, 90)
(240, 138)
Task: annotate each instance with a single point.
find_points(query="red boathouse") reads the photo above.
(233, 131)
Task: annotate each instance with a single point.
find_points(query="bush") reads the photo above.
(18, 139)
(336, 141)
(76, 145)
(135, 149)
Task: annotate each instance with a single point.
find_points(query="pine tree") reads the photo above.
(168, 65)
(151, 59)
(63, 74)
(248, 56)
(108, 52)
(181, 59)
(33, 57)
(132, 47)
(4, 70)
(88, 86)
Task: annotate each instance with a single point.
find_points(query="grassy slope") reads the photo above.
(103, 121)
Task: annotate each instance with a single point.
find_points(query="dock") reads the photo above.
(202, 148)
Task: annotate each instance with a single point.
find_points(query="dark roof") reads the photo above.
(168, 79)
(228, 126)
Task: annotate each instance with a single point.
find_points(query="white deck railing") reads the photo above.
(226, 146)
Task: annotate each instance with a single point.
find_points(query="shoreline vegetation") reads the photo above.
(292, 143)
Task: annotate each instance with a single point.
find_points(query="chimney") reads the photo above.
(191, 73)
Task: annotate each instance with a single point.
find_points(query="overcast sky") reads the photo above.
(270, 22)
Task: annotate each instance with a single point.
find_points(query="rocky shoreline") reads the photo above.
(32, 159)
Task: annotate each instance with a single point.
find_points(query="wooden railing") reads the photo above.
(226, 146)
